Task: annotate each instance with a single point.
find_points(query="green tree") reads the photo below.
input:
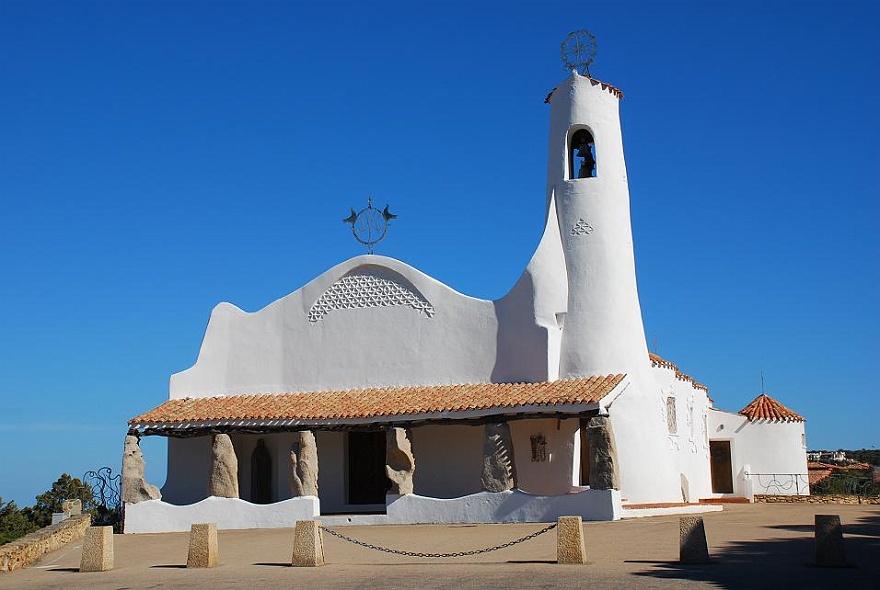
(13, 523)
(64, 488)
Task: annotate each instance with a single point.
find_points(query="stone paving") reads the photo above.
(751, 546)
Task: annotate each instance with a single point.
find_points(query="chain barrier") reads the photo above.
(455, 554)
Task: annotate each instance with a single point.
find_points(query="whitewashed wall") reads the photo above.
(449, 460)
(332, 334)
(760, 447)
(189, 470)
(690, 443)
(553, 476)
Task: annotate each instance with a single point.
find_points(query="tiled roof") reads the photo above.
(658, 361)
(605, 86)
(818, 474)
(375, 404)
(765, 407)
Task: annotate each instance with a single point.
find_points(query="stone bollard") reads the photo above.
(692, 548)
(97, 551)
(830, 550)
(308, 544)
(570, 541)
(203, 545)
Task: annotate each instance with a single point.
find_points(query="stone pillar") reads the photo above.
(224, 468)
(830, 550)
(203, 550)
(308, 544)
(603, 454)
(72, 507)
(399, 461)
(97, 550)
(570, 541)
(304, 466)
(134, 487)
(692, 546)
(499, 466)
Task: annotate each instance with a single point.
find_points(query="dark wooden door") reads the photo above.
(367, 482)
(722, 471)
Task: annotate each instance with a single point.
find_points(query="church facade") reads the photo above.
(377, 390)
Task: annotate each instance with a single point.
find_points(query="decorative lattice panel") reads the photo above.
(361, 291)
(581, 228)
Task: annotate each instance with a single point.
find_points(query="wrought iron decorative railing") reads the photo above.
(779, 483)
(106, 492)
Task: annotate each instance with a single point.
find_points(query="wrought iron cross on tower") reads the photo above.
(369, 226)
(579, 51)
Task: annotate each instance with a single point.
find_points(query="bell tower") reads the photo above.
(587, 180)
(602, 329)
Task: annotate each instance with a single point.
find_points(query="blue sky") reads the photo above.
(157, 158)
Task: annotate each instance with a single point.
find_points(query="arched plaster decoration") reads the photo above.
(361, 290)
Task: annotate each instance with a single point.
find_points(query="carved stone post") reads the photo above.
(134, 487)
(399, 461)
(224, 468)
(499, 466)
(304, 465)
(603, 454)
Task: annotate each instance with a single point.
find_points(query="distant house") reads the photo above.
(827, 456)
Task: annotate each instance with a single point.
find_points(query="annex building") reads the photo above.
(375, 390)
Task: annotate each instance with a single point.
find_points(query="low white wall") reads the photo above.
(510, 506)
(156, 516)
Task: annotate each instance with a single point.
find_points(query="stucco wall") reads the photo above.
(370, 321)
(690, 443)
(189, 470)
(553, 475)
(449, 460)
(760, 448)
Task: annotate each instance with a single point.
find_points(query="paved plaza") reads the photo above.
(752, 546)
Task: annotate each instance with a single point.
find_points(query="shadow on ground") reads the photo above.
(785, 562)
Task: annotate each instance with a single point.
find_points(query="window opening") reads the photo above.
(582, 155)
(671, 419)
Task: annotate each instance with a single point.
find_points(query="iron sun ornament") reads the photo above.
(579, 51)
(369, 226)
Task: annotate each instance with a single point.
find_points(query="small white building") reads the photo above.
(542, 403)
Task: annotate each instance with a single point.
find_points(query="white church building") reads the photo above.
(378, 393)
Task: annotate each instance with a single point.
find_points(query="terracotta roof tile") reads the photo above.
(766, 408)
(658, 361)
(385, 402)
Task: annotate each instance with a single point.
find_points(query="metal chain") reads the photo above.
(455, 554)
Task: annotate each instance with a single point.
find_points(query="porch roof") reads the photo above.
(386, 405)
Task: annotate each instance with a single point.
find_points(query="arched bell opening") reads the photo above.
(581, 155)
